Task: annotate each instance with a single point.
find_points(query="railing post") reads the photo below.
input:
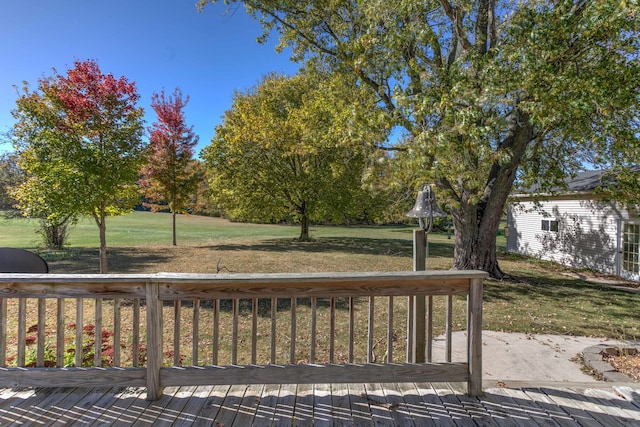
(419, 307)
(154, 341)
(474, 343)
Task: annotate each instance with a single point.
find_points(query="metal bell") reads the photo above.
(425, 207)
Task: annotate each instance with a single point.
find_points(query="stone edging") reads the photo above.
(593, 358)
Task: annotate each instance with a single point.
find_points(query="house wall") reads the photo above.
(587, 235)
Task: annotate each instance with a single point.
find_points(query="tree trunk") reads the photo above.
(475, 249)
(102, 226)
(173, 214)
(304, 228)
(476, 225)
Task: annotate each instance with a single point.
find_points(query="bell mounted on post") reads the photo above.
(426, 208)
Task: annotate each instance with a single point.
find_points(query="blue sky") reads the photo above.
(158, 44)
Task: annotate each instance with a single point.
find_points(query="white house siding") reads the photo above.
(587, 235)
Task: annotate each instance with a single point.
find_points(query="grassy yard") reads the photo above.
(539, 297)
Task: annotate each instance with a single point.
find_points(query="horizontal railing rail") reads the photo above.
(129, 329)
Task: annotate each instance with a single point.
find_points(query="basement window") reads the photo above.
(549, 225)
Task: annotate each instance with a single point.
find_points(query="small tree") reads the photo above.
(79, 139)
(170, 178)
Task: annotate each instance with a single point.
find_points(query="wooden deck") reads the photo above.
(412, 404)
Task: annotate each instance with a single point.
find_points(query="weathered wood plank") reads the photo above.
(154, 342)
(248, 406)
(414, 404)
(304, 405)
(84, 410)
(551, 409)
(578, 414)
(32, 412)
(311, 374)
(42, 316)
(474, 337)
(306, 289)
(60, 324)
(285, 406)
(120, 409)
(57, 411)
(436, 408)
(150, 410)
(267, 405)
(507, 410)
(230, 405)
(360, 409)
(81, 377)
(396, 405)
(587, 409)
(614, 404)
(341, 405)
(192, 409)
(324, 414)
(3, 332)
(631, 395)
(213, 404)
(380, 411)
(172, 410)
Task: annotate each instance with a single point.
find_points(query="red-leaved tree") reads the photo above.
(170, 177)
(79, 141)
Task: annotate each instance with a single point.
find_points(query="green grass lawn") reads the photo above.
(539, 297)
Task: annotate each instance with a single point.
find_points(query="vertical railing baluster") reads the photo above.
(97, 337)
(292, 349)
(117, 326)
(42, 319)
(449, 326)
(216, 330)
(154, 341)
(332, 329)
(79, 326)
(196, 332)
(60, 350)
(429, 326)
(254, 330)
(135, 339)
(312, 345)
(370, 356)
(410, 326)
(390, 331)
(351, 327)
(176, 331)
(234, 333)
(3, 332)
(274, 312)
(22, 331)
(474, 337)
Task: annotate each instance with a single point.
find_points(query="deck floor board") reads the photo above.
(371, 404)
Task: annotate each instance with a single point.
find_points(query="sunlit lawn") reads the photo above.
(539, 298)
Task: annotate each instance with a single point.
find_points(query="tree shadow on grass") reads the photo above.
(348, 245)
(120, 260)
(564, 305)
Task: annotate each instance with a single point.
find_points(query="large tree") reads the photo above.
(292, 148)
(488, 91)
(79, 138)
(170, 177)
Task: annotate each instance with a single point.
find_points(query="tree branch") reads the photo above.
(456, 15)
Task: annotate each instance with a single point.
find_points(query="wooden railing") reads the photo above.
(129, 330)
